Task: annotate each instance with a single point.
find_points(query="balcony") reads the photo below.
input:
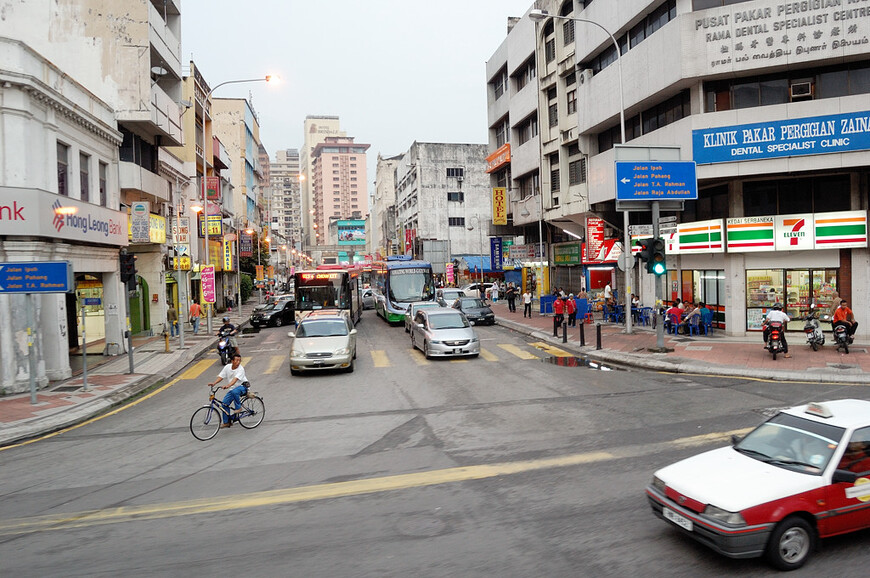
(164, 41)
(160, 122)
(134, 177)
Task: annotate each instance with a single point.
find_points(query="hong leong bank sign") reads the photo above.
(835, 133)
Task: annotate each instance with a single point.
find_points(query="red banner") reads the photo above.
(594, 237)
(213, 188)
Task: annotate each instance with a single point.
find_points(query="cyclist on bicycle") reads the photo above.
(234, 373)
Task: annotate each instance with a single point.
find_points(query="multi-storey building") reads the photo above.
(384, 238)
(286, 200)
(769, 98)
(338, 184)
(90, 94)
(315, 130)
(443, 193)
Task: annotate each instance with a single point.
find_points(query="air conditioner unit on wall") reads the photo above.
(801, 90)
(584, 76)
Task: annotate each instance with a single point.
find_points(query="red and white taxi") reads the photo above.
(802, 475)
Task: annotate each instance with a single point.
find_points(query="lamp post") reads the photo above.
(267, 78)
(538, 15)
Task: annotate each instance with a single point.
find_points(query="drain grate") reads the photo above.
(67, 388)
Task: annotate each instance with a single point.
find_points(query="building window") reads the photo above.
(572, 101)
(499, 83)
(554, 173)
(568, 32)
(502, 132)
(458, 196)
(550, 50)
(527, 129)
(529, 185)
(525, 74)
(62, 170)
(553, 114)
(456, 172)
(456, 221)
(104, 190)
(577, 172)
(85, 176)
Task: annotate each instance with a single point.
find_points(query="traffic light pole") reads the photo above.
(660, 325)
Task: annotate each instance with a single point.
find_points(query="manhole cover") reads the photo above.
(67, 388)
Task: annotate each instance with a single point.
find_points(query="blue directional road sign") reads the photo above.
(37, 277)
(656, 181)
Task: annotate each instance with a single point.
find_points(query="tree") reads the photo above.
(247, 286)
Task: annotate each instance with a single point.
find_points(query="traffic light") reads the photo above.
(646, 250)
(656, 263)
(128, 268)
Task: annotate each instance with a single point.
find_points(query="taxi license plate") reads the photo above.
(681, 521)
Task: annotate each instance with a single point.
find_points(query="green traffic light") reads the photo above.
(659, 268)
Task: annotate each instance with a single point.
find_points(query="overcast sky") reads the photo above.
(394, 71)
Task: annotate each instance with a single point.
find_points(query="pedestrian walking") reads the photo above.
(527, 304)
(558, 315)
(511, 296)
(172, 319)
(572, 310)
(495, 292)
(195, 314)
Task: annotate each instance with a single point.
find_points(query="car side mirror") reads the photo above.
(291, 334)
(844, 476)
(353, 331)
(471, 323)
(736, 439)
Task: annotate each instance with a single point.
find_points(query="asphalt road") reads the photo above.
(506, 465)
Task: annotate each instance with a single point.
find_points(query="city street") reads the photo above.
(511, 464)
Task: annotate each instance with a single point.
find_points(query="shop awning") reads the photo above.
(475, 263)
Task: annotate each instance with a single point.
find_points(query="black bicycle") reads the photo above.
(206, 421)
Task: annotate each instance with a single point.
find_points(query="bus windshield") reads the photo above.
(319, 291)
(409, 285)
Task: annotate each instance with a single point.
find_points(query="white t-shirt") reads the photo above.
(780, 316)
(228, 373)
(608, 292)
(527, 297)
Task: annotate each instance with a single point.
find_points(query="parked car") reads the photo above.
(802, 475)
(474, 289)
(448, 295)
(444, 332)
(276, 314)
(368, 299)
(412, 309)
(476, 310)
(322, 342)
(271, 300)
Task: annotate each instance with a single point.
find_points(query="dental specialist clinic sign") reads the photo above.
(816, 135)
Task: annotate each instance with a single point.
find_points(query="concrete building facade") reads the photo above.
(315, 130)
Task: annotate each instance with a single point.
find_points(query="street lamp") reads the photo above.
(539, 15)
(267, 78)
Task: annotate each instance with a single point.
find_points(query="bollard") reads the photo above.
(597, 336)
(582, 335)
(564, 332)
(166, 341)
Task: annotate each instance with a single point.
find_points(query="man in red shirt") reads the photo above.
(558, 315)
(844, 316)
(672, 314)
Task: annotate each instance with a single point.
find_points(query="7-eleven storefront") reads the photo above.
(740, 267)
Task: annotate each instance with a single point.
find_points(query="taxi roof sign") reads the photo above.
(819, 409)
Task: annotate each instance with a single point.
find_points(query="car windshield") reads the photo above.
(471, 303)
(447, 322)
(268, 307)
(322, 328)
(792, 442)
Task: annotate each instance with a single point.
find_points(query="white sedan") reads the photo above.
(802, 475)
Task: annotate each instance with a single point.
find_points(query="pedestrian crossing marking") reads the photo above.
(247, 360)
(458, 361)
(510, 348)
(275, 362)
(419, 358)
(488, 355)
(551, 349)
(380, 359)
(197, 369)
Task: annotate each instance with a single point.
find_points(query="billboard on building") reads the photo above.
(352, 232)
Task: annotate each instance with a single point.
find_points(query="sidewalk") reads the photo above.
(65, 403)
(717, 354)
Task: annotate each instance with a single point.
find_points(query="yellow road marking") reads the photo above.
(488, 355)
(197, 369)
(380, 359)
(287, 496)
(247, 360)
(522, 354)
(275, 362)
(552, 350)
(458, 361)
(419, 358)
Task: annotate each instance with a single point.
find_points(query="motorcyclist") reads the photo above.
(844, 316)
(230, 331)
(777, 314)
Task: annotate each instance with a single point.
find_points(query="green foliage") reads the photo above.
(247, 286)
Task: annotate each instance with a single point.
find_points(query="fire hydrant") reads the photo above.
(166, 340)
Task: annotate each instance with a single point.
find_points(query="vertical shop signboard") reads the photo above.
(495, 254)
(594, 237)
(140, 222)
(207, 278)
(449, 270)
(213, 188)
(246, 245)
(499, 206)
(228, 255)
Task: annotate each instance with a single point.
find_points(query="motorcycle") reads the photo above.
(774, 339)
(813, 330)
(224, 349)
(841, 338)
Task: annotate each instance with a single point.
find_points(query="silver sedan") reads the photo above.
(444, 332)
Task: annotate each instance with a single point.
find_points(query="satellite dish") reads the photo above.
(159, 71)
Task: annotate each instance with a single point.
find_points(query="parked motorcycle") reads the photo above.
(224, 349)
(774, 339)
(813, 330)
(841, 338)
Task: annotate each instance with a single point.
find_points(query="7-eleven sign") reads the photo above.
(795, 232)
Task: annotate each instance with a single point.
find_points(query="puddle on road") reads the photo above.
(580, 362)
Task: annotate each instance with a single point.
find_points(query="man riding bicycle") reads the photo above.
(234, 373)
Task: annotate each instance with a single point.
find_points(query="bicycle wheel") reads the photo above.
(253, 412)
(205, 423)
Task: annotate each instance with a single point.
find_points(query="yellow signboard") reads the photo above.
(228, 255)
(499, 206)
(259, 272)
(156, 229)
(181, 263)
